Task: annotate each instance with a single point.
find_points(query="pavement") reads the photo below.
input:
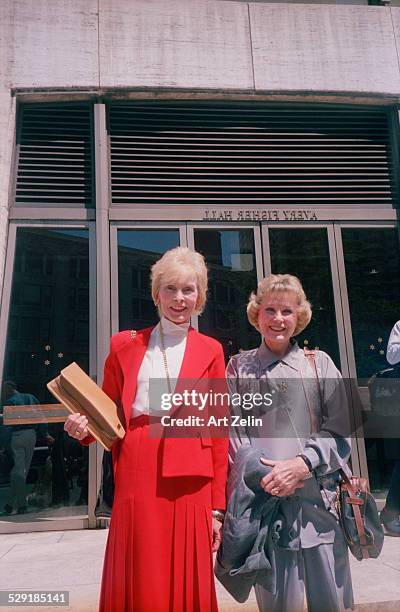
(72, 561)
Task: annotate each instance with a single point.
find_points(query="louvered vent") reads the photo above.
(54, 161)
(249, 154)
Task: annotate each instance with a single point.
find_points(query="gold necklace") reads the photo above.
(164, 356)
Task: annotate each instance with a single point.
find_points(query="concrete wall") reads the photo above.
(199, 44)
(50, 43)
(324, 48)
(194, 45)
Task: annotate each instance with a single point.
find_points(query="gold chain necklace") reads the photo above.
(164, 356)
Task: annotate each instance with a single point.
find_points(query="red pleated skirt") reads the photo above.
(158, 556)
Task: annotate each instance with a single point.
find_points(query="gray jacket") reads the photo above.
(251, 527)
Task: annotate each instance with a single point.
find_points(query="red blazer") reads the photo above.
(203, 358)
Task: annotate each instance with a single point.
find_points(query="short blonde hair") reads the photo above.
(172, 265)
(282, 283)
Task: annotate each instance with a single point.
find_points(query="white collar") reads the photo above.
(172, 329)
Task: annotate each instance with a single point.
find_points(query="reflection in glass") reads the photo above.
(372, 263)
(230, 257)
(138, 250)
(305, 254)
(46, 474)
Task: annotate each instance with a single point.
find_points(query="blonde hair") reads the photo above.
(282, 283)
(172, 265)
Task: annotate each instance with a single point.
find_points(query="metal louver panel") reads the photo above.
(55, 155)
(215, 153)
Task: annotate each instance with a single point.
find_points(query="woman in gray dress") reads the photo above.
(304, 435)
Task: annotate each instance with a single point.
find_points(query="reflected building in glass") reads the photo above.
(48, 328)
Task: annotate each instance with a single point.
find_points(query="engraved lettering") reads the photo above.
(259, 215)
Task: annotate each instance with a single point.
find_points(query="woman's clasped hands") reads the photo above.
(285, 477)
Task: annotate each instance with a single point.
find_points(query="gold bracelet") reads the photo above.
(219, 515)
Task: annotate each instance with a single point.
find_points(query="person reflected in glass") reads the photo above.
(390, 515)
(304, 438)
(169, 492)
(22, 444)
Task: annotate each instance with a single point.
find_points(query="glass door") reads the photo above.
(234, 260)
(309, 252)
(369, 260)
(49, 324)
(134, 249)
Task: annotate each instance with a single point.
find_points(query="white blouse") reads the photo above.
(152, 367)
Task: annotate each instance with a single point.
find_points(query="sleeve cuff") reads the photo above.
(88, 440)
(218, 501)
(312, 456)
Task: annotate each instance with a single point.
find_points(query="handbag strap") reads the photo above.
(310, 355)
(353, 499)
(356, 502)
(311, 360)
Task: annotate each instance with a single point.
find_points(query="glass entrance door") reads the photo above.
(234, 260)
(369, 260)
(308, 253)
(45, 480)
(134, 249)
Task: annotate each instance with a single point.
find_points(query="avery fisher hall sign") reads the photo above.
(259, 215)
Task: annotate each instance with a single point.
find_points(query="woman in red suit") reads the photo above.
(169, 492)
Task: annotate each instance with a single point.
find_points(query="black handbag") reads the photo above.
(359, 518)
(105, 498)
